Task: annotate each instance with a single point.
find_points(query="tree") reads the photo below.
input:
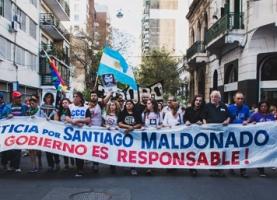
(159, 65)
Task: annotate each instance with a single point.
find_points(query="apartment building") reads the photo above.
(27, 27)
(235, 52)
(55, 40)
(102, 26)
(19, 45)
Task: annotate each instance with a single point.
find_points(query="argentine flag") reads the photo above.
(112, 62)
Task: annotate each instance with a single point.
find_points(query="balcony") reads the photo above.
(226, 30)
(44, 71)
(196, 55)
(52, 50)
(53, 27)
(60, 8)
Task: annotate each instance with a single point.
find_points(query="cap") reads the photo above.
(1, 95)
(16, 94)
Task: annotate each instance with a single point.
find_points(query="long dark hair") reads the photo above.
(61, 106)
(267, 104)
(194, 99)
(125, 109)
(79, 94)
(155, 106)
(52, 97)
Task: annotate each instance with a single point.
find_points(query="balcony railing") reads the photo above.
(54, 51)
(50, 19)
(65, 6)
(197, 47)
(228, 22)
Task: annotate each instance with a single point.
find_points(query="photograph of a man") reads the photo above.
(109, 83)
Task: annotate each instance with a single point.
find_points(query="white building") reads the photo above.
(236, 53)
(19, 47)
(27, 27)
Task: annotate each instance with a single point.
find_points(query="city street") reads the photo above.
(122, 185)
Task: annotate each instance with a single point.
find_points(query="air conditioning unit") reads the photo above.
(15, 26)
(18, 19)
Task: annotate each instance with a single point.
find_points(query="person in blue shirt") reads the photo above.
(239, 115)
(2, 104)
(16, 108)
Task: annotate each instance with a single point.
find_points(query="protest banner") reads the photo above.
(202, 147)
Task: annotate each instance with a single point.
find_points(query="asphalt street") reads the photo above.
(122, 185)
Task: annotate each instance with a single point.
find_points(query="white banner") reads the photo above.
(201, 147)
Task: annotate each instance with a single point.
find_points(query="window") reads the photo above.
(22, 25)
(32, 29)
(8, 9)
(76, 17)
(2, 7)
(76, 7)
(2, 47)
(76, 27)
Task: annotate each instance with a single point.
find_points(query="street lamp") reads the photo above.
(119, 14)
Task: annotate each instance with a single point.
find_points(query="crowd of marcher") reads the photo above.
(116, 112)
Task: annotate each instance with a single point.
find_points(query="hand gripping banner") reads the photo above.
(201, 147)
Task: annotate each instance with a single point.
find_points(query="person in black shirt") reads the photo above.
(216, 112)
(130, 120)
(193, 115)
(140, 106)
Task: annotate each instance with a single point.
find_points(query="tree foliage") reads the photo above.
(159, 65)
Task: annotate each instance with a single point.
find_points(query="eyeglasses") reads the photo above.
(240, 98)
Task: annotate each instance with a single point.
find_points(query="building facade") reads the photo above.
(27, 28)
(234, 51)
(19, 45)
(55, 40)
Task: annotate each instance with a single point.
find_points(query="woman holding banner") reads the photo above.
(173, 118)
(110, 117)
(151, 118)
(61, 116)
(49, 110)
(263, 115)
(129, 120)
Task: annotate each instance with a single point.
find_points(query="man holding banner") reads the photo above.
(216, 112)
(239, 115)
(16, 108)
(78, 115)
(95, 109)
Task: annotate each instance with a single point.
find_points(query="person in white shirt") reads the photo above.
(173, 118)
(151, 118)
(167, 109)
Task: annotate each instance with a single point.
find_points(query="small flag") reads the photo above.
(56, 77)
(112, 62)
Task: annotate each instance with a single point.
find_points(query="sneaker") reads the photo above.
(79, 175)
(95, 168)
(244, 174)
(149, 172)
(66, 168)
(40, 167)
(57, 167)
(134, 172)
(232, 172)
(262, 174)
(10, 169)
(274, 168)
(33, 170)
(127, 168)
(18, 170)
(212, 173)
(220, 172)
(50, 169)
